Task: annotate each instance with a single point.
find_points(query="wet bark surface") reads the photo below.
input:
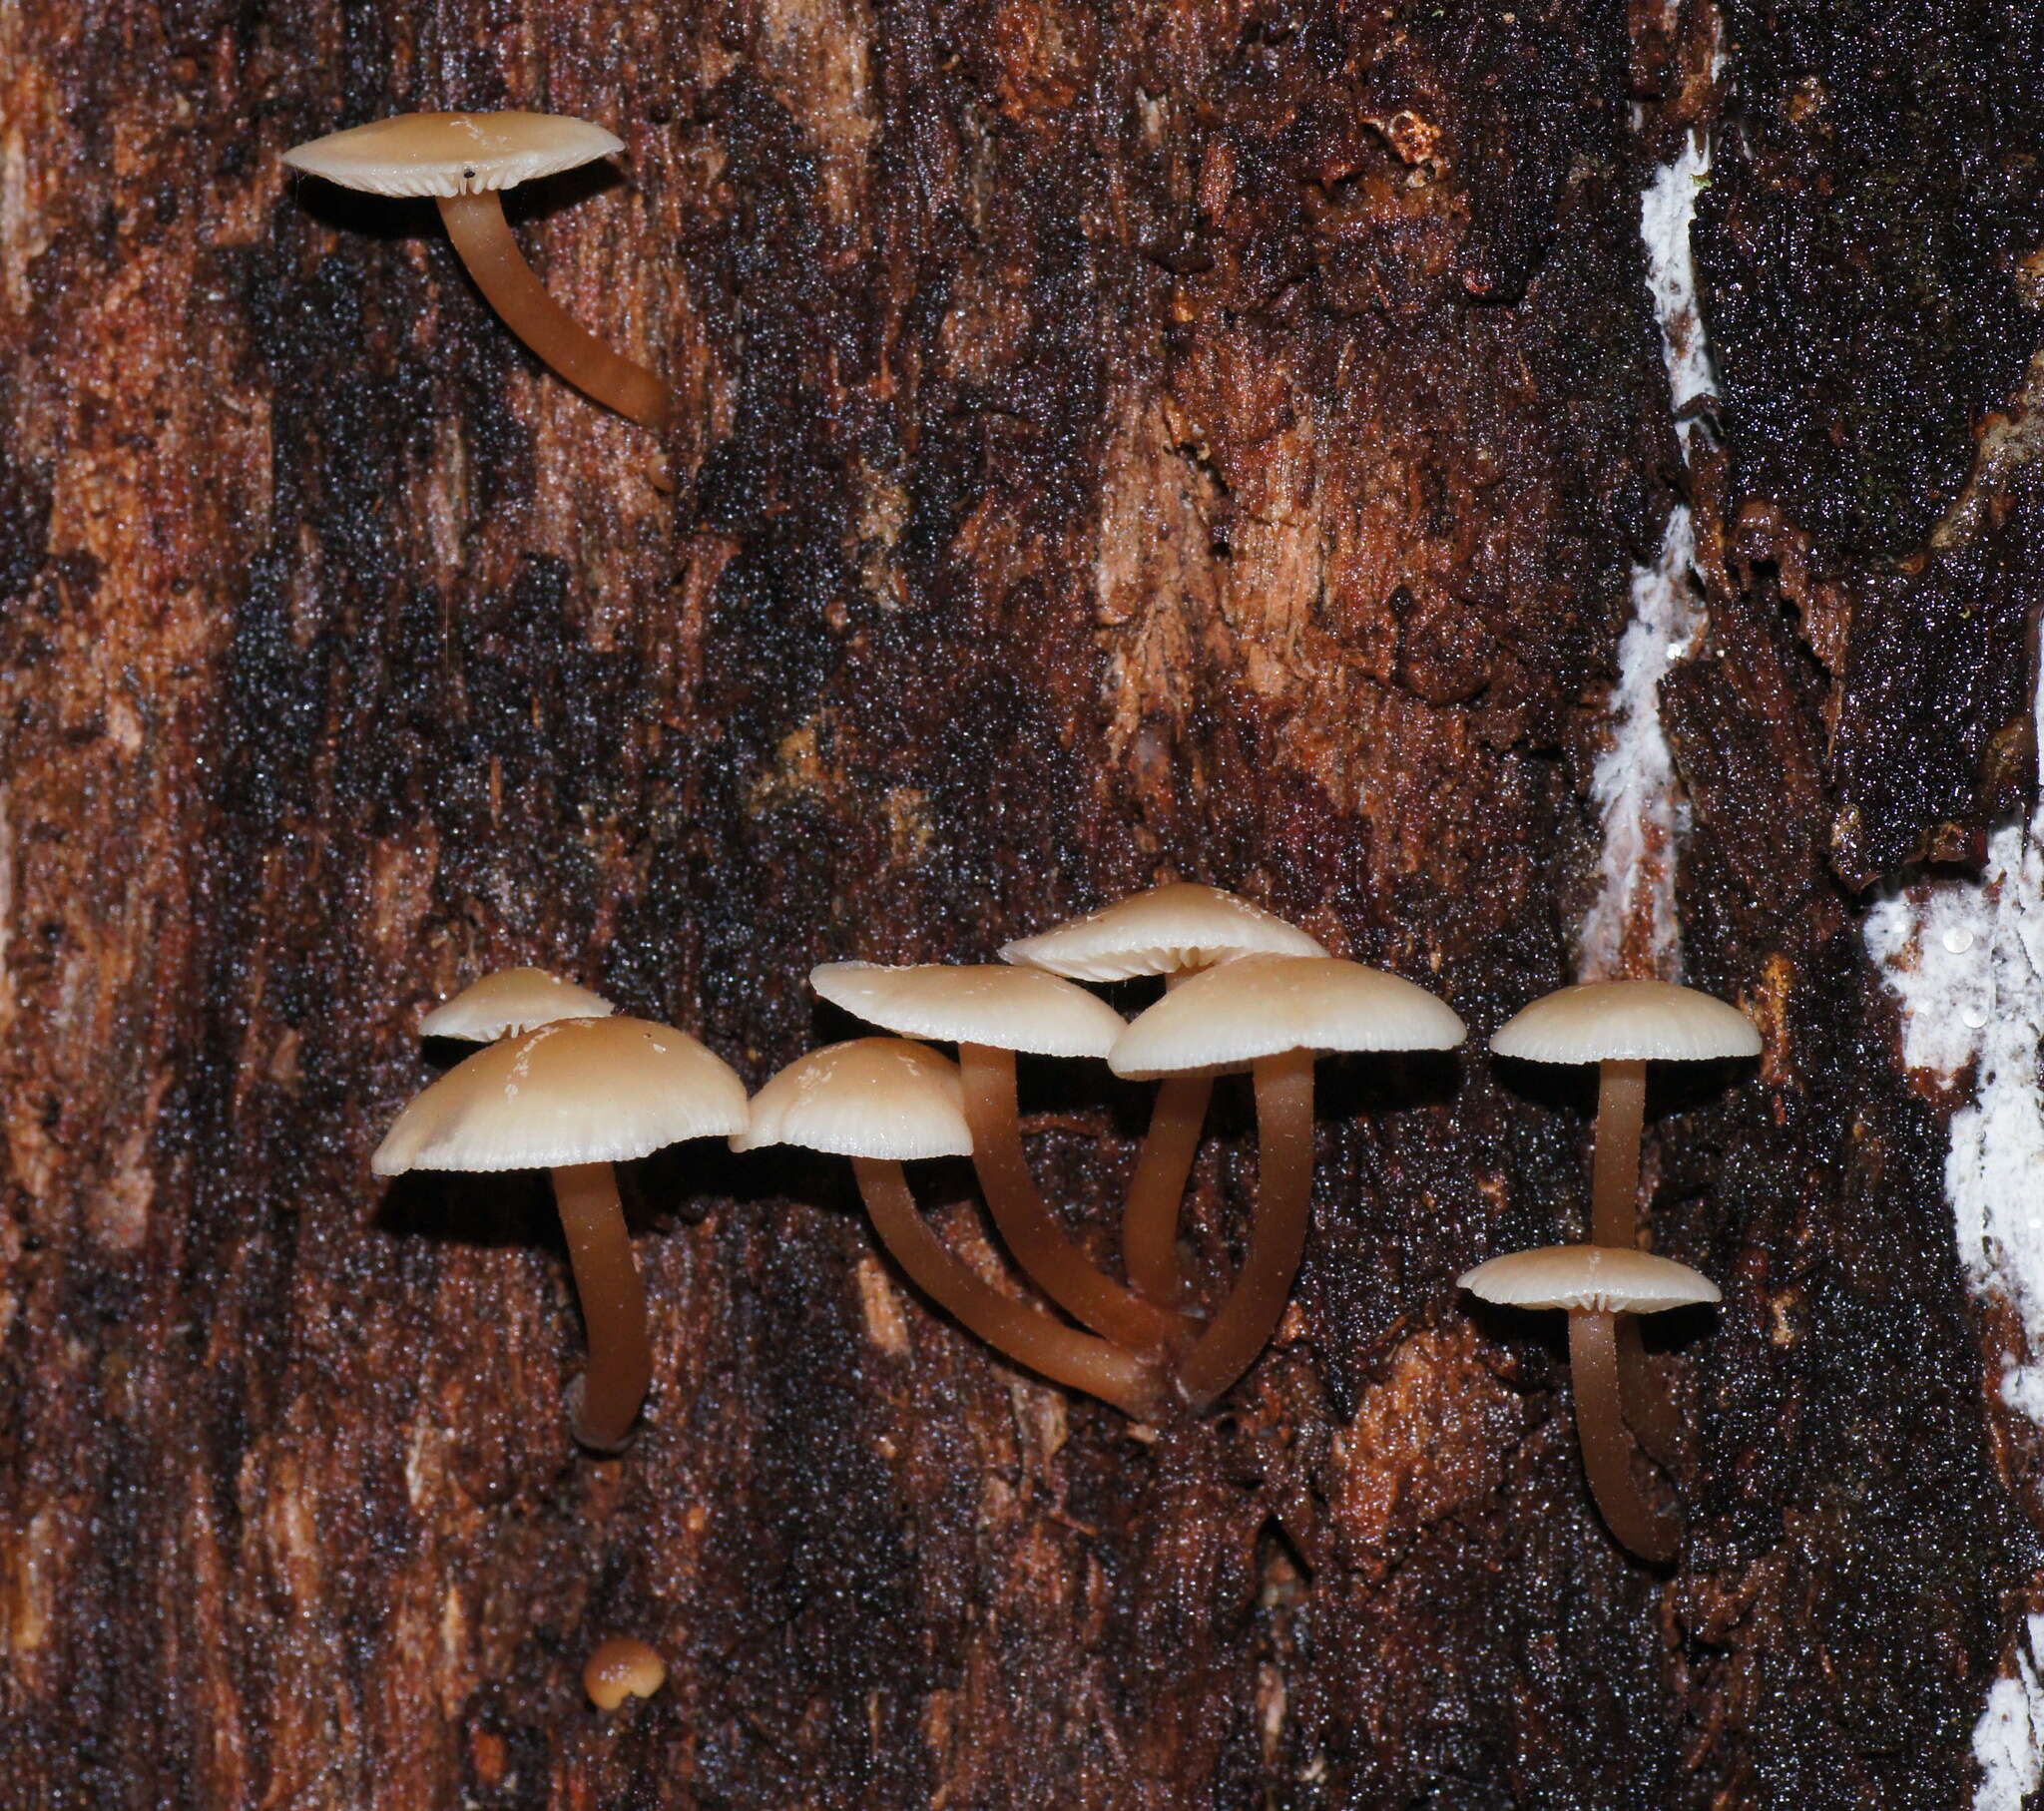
(1118, 442)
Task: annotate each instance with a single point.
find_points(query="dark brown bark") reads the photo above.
(1114, 441)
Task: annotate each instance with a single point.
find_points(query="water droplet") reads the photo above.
(1958, 942)
(1975, 1016)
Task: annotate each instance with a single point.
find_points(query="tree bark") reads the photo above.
(1113, 442)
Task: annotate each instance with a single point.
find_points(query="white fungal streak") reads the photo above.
(2008, 1740)
(1631, 923)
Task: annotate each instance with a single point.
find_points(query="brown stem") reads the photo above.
(1615, 1166)
(1150, 1223)
(1649, 1409)
(605, 1398)
(1050, 1260)
(1284, 1187)
(1025, 1334)
(1638, 1527)
(482, 238)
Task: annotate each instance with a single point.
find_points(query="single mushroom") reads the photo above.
(465, 160)
(1602, 1287)
(510, 1001)
(1174, 930)
(1622, 1026)
(1272, 1014)
(883, 1102)
(622, 1668)
(577, 1097)
(991, 1013)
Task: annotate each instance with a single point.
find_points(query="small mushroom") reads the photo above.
(511, 1000)
(1272, 1014)
(1174, 930)
(622, 1668)
(991, 1013)
(464, 161)
(883, 1102)
(1602, 1288)
(1622, 1026)
(576, 1098)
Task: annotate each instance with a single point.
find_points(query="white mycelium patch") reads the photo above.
(1634, 781)
(2008, 1741)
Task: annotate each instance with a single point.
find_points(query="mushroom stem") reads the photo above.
(605, 1401)
(1150, 1223)
(1026, 1334)
(1649, 1409)
(1039, 1244)
(1284, 1187)
(482, 238)
(1615, 1168)
(1642, 1529)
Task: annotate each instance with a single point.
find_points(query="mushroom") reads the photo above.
(464, 161)
(1622, 1026)
(991, 1013)
(1174, 930)
(1601, 1287)
(622, 1668)
(883, 1102)
(511, 1000)
(1272, 1014)
(577, 1097)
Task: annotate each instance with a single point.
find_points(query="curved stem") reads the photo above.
(1150, 1221)
(1649, 1409)
(1049, 1258)
(1285, 1187)
(1638, 1527)
(1025, 1334)
(1615, 1166)
(482, 238)
(606, 1401)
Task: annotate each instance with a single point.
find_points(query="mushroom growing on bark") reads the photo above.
(1622, 1026)
(883, 1102)
(576, 1098)
(1174, 930)
(1601, 1287)
(1273, 1015)
(464, 161)
(991, 1013)
(511, 1000)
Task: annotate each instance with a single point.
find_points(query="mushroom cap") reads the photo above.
(1602, 1279)
(1627, 1021)
(1260, 1006)
(453, 153)
(579, 1090)
(511, 1000)
(1002, 1008)
(871, 1098)
(622, 1668)
(1179, 925)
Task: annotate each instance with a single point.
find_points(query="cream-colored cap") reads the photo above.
(1179, 925)
(1602, 1279)
(1627, 1021)
(511, 1000)
(1258, 1005)
(453, 153)
(871, 1098)
(1004, 1009)
(579, 1091)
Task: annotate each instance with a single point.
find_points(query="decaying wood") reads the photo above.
(1117, 440)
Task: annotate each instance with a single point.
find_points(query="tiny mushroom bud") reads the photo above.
(574, 1098)
(1622, 1026)
(882, 1101)
(511, 1000)
(1174, 930)
(1597, 1284)
(1272, 1014)
(991, 1012)
(622, 1668)
(464, 161)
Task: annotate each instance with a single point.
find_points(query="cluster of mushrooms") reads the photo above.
(568, 1086)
